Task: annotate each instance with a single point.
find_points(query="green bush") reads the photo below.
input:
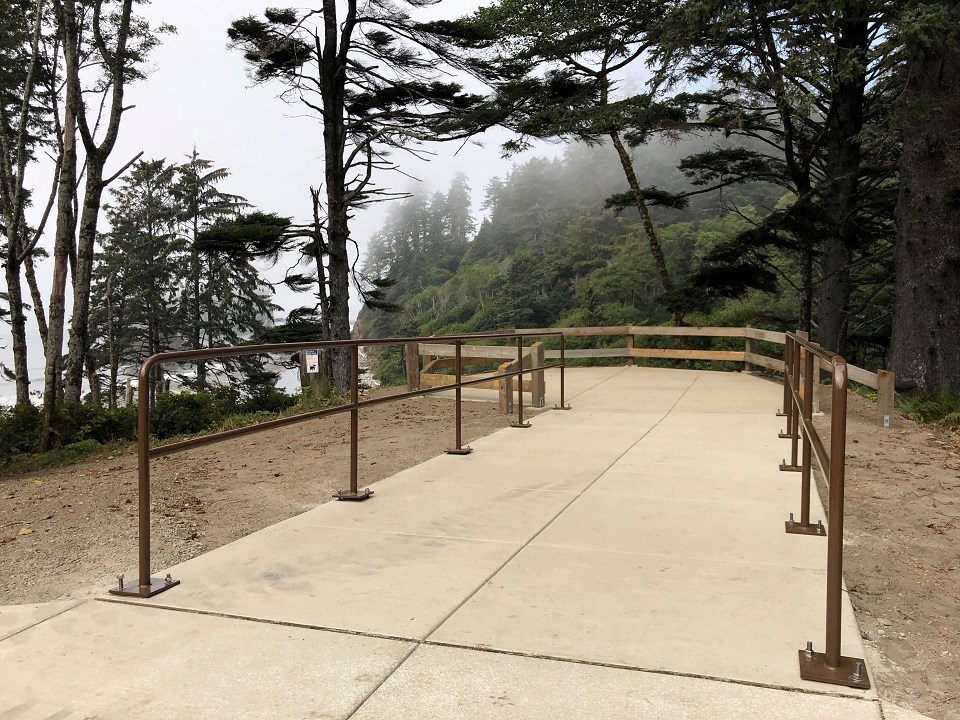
(266, 399)
(19, 430)
(181, 414)
(76, 423)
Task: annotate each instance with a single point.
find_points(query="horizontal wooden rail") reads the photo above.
(750, 355)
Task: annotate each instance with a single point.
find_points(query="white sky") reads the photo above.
(198, 94)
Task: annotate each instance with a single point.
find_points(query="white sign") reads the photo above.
(313, 361)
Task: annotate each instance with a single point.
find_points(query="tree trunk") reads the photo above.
(656, 249)
(66, 228)
(79, 324)
(18, 320)
(843, 160)
(332, 78)
(36, 297)
(925, 349)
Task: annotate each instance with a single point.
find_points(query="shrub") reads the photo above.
(19, 430)
(76, 423)
(266, 399)
(181, 414)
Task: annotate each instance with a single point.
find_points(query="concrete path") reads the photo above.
(625, 559)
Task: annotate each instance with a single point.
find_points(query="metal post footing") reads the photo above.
(354, 497)
(135, 589)
(780, 413)
(851, 672)
(790, 468)
(798, 528)
(460, 451)
(788, 436)
(561, 407)
(520, 425)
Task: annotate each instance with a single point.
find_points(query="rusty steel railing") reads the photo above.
(148, 586)
(799, 354)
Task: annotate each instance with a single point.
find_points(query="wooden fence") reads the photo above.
(440, 357)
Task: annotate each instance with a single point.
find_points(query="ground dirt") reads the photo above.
(902, 555)
(66, 532)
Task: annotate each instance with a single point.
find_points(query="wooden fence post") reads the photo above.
(749, 346)
(506, 388)
(885, 397)
(816, 384)
(630, 360)
(128, 394)
(412, 354)
(538, 383)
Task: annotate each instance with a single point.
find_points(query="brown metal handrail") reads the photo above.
(829, 666)
(147, 586)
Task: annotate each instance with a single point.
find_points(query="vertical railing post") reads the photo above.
(793, 412)
(804, 527)
(563, 366)
(787, 355)
(412, 358)
(458, 448)
(520, 423)
(354, 493)
(144, 585)
(749, 348)
(886, 392)
(830, 666)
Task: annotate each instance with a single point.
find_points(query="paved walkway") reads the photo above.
(622, 560)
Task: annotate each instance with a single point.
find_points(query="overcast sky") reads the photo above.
(198, 94)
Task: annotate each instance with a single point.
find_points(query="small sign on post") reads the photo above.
(313, 361)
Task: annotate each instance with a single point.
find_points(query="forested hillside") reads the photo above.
(549, 251)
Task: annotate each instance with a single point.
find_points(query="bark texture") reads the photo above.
(843, 161)
(925, 349)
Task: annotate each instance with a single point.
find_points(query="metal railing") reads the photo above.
(148, 586)
(799, 360)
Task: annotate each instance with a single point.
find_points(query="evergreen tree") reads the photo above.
(139, 270)
(372, 75)
(25, 74)
(809, 85)
(575, 52)
(925, 350)
(224, 300)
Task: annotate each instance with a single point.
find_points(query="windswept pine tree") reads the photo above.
(576, 55)
(375, 79)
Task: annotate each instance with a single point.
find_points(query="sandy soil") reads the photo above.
(67, 532)
(902, 555)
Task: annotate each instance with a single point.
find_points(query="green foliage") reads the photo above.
(941, 409)
(77, 429)
(77, 423)
(19, 430)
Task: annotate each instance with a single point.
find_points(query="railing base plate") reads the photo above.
(460, 451)
(133, 588)
(796, 528)
(813, 666)
(790, 468)
(520, 425)
(780, 413)
(561, 407)
(787, 436)
(354, 497)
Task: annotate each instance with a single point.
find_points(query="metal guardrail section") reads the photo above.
(799, 355)
(147, 586)
(802, 358)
